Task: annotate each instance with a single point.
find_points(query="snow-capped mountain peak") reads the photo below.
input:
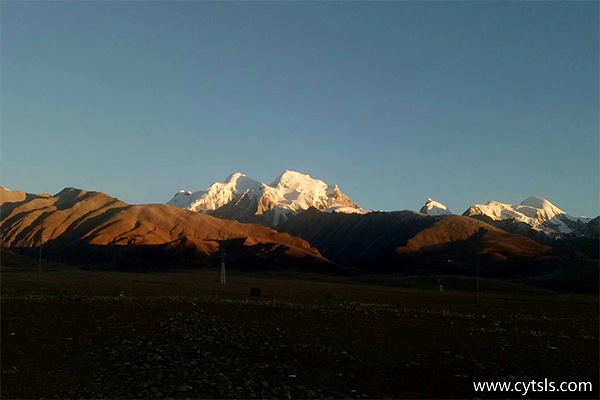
(433, 207)
(535, 211)
(543, 207)
(293, 179)
(291, 192)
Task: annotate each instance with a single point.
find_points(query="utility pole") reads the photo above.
(223, 275)
(477, 272)
(40, 255)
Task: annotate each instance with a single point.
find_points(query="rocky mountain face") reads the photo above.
(84, 226)
(245, 199)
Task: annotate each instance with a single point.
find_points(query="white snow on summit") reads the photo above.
(217, 195)
(433, 207)
(298, 191)
(289, 193)
(535, 211)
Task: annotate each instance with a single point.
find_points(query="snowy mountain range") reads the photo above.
(535, 213)
(245, 199)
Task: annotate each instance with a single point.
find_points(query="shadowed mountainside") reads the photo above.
(407, 241)
(584, 238)
(354, 239)
(85, 226)
(410, 243)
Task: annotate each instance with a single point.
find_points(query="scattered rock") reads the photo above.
(184, 388)
(11, 371)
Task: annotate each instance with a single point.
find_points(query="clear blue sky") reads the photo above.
(395, 102)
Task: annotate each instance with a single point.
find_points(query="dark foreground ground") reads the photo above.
(81, 334)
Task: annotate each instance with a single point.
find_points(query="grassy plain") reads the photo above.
(72, 333)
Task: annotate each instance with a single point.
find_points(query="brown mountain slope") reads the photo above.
(11, 195)
(83, 225)
(57, 218)
(492, 240)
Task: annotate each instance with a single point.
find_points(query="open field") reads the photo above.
(71, 333)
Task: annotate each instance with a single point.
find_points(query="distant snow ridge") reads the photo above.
(433, 207)
(535, 211)
(290, 193)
